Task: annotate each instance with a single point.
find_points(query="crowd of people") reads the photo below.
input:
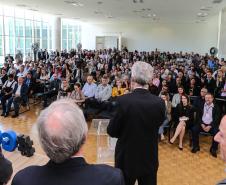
(192, 87)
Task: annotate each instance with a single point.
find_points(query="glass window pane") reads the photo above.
(69, 44)
(9, 25)
(29, 15)
(28, 28)
(64, 44)
(19, 13)
(37, 29)
(8, 11)
(1, 45)
(1, 10)
(9, 45)
(19, 27)
(1, 25)
(28, 43)
(44, 30)
(44, 44)
(19, 44)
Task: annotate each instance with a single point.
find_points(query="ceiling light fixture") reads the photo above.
(99, 2)
(32, 9)
(21, 5)
(138, 1)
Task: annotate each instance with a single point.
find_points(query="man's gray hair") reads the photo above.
(62, 130)
(142, 73)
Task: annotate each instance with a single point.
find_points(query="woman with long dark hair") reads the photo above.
(185, 117)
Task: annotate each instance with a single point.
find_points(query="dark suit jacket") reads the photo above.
(71, 172)
(136, 125)
(31, 85)
(23, 91)
(210, 85)
(216, 116)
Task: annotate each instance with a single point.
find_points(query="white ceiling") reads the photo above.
(179, 11)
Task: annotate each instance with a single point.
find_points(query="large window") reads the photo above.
(20, 28)
(71, 34)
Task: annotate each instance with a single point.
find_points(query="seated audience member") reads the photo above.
(223, 90)
(193, 89)
(77, 95)
(165, 97)
(220, 137)
(7, 91)
(177, 97)
(153, 89)
(89, 88)
(184, 114)
(118, 90)
(208, 119)
(52, 91)
(19, 96)
(199, 101)
(210, 83)
(30, 83)
(64, 90)
(21, 72)
(6, 169)
(220, 82)
(4, 76)
(62, 130)
(103, 91)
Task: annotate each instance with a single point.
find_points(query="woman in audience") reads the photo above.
(184, 117)
(177, 97)
(219, 83)
(44, 76)
(64, 90)
(77, 94)
(165, 98)
(118, 90)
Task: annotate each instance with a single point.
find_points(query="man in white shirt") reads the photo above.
(7, 91)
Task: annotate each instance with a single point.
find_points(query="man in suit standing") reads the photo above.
(136, 126)
(62, 131)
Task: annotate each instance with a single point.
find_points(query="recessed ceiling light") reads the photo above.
(98, 12)
(149, 15)
(204, 8)
(59, 14)
(21, 5)
(99, 2)
(77, 4)
(76, 18)
(202, 14)
(32, 9)
(154, 15)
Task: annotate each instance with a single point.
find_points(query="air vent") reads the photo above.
(138, 1)
(217, 1)
(70, 2)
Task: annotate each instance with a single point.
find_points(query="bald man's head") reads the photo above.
(220, 137)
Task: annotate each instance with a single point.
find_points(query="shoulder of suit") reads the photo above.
(105, 169)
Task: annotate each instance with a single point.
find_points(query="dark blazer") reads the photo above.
(216, 116)
(210, 85)
(31, 85)
(23, 91)
(71, 172)
(136, 125)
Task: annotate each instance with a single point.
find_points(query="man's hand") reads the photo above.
(208, 128)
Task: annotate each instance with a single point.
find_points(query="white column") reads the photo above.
(222, 34)
(56, 33)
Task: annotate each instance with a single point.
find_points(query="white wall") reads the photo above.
(148, 36)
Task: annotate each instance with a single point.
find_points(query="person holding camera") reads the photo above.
(7, 91)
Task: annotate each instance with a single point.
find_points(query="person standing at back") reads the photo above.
(136, 126)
